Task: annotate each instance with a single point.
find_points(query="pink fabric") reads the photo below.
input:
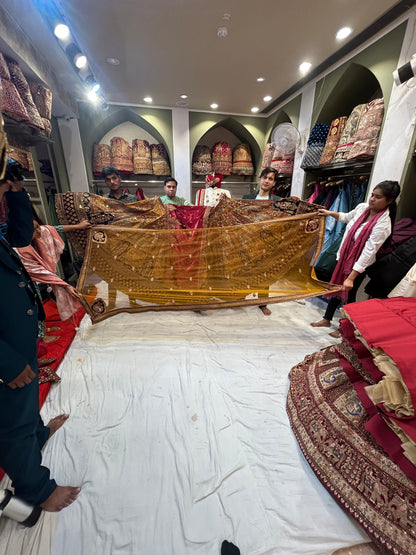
(40, 262)
(352, 249)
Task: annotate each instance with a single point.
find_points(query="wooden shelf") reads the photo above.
(343, 167)
(27, 136)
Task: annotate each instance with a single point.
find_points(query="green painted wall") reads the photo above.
(358, 79)
(95, 123)
(288, 113)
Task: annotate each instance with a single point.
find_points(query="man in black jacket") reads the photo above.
(22, 432)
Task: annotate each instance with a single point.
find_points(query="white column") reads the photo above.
(399, 122)
(73, 154)
(181, 161)
(305, 119)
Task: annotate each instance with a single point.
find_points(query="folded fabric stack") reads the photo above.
(242, 161)
(332, 141)
(160, 160)
(42, 97)
(101, 158)
(20, 156)
(121, 155)
(201, 160)
(267, 156)
(142, 158)
(351, 407)
(22, 86)
(222, 158)
(12, 104)
(315, 146)
(348, 136)
(281, 161)
(368, 131)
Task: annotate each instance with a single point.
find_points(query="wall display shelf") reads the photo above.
(26, 135)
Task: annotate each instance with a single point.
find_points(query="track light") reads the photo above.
(61, 31)
(80, 60)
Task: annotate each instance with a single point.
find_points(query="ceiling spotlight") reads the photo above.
(343, 33)
(255, 109)
(61, 31)
(260, 79)
(222, 32)
(184, 96)
(148, 99)
(92, 96)
(214, 106)
(305, 67)
(80, 60)
(267, 98)
(113, 61)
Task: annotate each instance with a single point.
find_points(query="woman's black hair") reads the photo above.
(390, 190)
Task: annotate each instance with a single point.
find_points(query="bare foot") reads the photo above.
(266, 311)
(324, 323)
(61, 497)
(56, 423)
(335, 334)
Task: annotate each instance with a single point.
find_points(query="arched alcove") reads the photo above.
(234, 133)
(125, 115)
(281, 117)
(356, 85)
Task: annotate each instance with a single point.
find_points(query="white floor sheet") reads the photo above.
(179, 438)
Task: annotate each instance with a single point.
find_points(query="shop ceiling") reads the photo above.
(167, 48)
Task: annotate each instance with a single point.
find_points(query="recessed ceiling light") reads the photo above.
(214, 105)
(267, 98)
(113, 61)
(343, 33)
(148, 99)
(61, 31)
(255, 109)
(80, 60)
(260, 79)
(184, 96)
(182, 103)
(305, 67)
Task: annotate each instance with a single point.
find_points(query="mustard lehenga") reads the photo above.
(149, 256)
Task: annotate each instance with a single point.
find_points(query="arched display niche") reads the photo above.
(336, 95)
(94, 128)
(234, 133)
(281, 117)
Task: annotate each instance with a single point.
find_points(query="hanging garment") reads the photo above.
(222, 158)
(201, 160)
(347, 138)
(368, 131)
(19, 81)
(386, 272)
(337, 127)
(160, 160)
(142, 158)
(40, 262)
(267, 156)
(121, 155)
(242, 161)
(407, 286)
(101, 158)
(315, 146)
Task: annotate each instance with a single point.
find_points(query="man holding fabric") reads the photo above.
(22, 432)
